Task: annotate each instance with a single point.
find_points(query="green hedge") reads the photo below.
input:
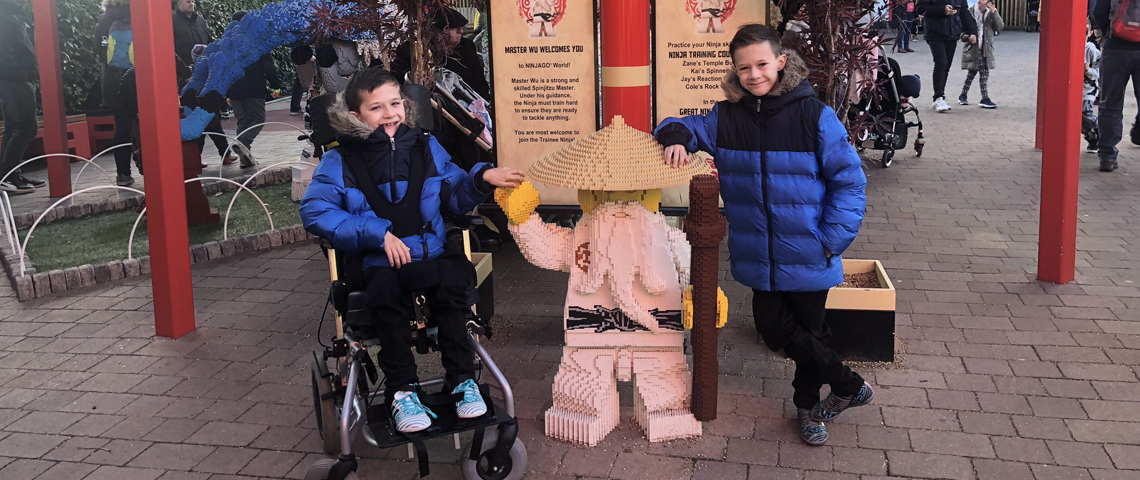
(81, 68)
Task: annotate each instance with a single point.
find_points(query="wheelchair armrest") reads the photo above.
(357, 312)
(466, 221)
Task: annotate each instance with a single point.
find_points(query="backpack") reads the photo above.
(1126, 20)
(121, 46)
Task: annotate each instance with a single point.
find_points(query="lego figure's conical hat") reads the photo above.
(615, 158)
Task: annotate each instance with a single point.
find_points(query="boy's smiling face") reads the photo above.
(383, 106)
(758, 67)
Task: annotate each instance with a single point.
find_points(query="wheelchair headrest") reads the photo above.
(420, 98)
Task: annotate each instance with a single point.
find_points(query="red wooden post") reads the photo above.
(1042, 58)
(1060, 165)
(51, 92)
(159, 132)
(197, 206)
(625, 62)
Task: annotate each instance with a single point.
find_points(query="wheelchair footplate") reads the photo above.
(446, 423)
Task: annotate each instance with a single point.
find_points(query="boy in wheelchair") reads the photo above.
(396, 247)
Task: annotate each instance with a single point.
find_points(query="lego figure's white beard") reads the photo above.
(629, 246)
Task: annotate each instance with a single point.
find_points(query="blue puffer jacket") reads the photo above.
(340, 213)
(792, 185)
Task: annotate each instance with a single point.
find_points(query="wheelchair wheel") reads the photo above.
(888, 158)
(326, 411)
(320, 471)
(478, 470)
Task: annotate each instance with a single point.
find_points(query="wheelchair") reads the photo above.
(346, 384)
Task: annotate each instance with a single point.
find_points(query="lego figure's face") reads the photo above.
(591, 199)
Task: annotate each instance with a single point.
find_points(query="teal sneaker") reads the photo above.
(472, 404)
(410, 415)
(830, 407)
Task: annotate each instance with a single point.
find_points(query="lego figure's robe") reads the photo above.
(623, 311)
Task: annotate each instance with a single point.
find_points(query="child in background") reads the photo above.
(792, 187)
(978, 57)
(1092, 79)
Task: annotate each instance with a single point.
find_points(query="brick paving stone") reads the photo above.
(25, 468)
(123, 473)
(1124, 456)
(1075, 454)
(226, 434)
(805, 457)
(1053, 472)
(753, 452)
(710, 447)
(987, 423)
(67, 471)
(924, 465)
(28, 445)
(273, 464)
(640, 466)
(1000, 470)
(588, 462)
(1104, 432)
(774, 473)
(1021, 449)
(44, 422)
(860, 461)
(952, 443)
(705, 470)
(76, 449)
(1043, 428)
(118, 452)
(226, 460)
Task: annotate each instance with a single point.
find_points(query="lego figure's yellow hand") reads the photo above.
(687, 308)
(721, 308)
(517, 203)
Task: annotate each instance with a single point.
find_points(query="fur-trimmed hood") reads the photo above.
(345, 123)
(795, 71)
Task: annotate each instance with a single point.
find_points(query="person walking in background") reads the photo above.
(190, 30)
(247, 97)
(944, 21)
(902, 17)
(1091, 90)
(978, 57)
(114, 38)
(306, 70)
(1119, 61)
(17, 99)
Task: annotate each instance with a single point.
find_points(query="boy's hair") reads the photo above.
(752, 34)
(364, 82)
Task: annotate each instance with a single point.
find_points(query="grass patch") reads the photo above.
(103, 237)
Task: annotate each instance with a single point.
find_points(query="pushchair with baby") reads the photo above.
(889, 110)
(346, 383)
(1033, 7)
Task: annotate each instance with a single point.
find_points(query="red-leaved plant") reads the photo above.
(840, 46)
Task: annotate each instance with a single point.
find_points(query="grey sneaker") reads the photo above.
(962, 100)
(124, 180)
(1106, 166)
(830, 407)
(812, 432)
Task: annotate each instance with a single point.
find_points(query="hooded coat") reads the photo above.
(792, 184)
(991, 24)
(17, 54)
(335, 209)
(118, 84)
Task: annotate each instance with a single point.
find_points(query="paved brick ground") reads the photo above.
(999, 376)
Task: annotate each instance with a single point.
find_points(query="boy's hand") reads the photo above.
(398, 253)
(676, 156)
(503, 177)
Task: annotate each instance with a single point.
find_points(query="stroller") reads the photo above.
(890, 130)
(1034, 9)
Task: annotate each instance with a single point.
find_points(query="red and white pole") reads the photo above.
(625, 62)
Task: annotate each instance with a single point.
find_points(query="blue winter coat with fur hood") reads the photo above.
(792, 185)
(341, 214)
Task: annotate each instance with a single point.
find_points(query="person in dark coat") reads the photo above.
(190, 29)
(17, 99)
(1119, 61)
(247, 97)
(793, 191)
(113, 35)
(944, 21)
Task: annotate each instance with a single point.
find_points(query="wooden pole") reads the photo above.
(1060, 162)
(161, 138)
(51, 92)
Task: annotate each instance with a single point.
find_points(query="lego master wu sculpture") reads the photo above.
(628, 270)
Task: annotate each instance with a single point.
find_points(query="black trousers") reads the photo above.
(124, 123)
(943, 52)
(794, 322)
(220, 142)
(448, 301)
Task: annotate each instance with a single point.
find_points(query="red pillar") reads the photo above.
(1060, 172)
(161, 140)
(625, 62)
(1042, 58)
(51, 91)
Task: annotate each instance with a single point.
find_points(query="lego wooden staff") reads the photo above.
(706, 306)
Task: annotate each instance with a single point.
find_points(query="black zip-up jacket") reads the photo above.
(189, 31)
(17, 54)
(252, 85)
(940, 26)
